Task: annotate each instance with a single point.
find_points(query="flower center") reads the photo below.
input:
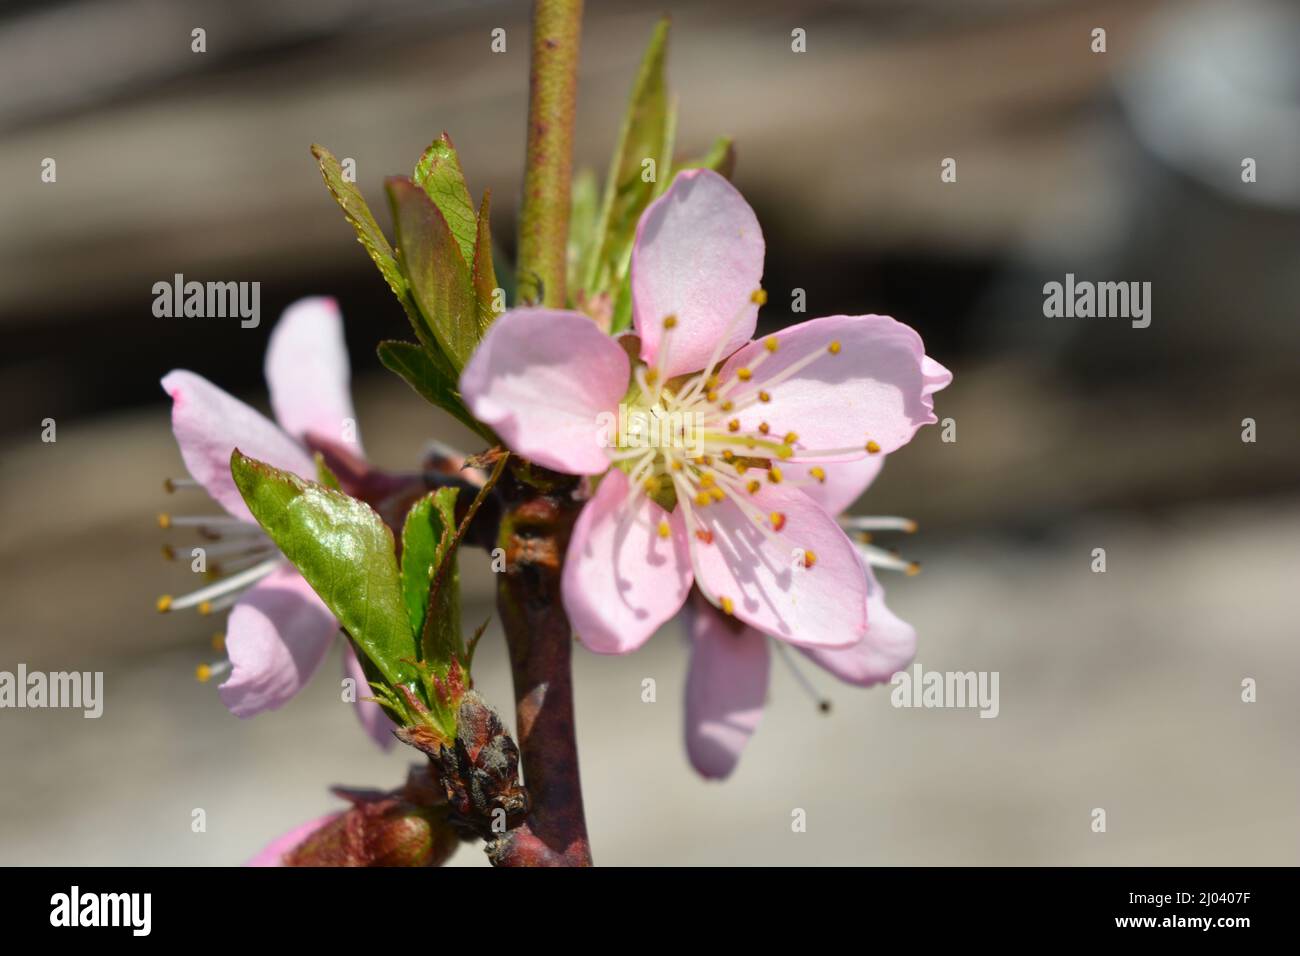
(682, 442)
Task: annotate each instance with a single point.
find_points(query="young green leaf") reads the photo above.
(621, 319)
(427, 541)
(438, 172)
(663, 172)
(485, 276)
(646, 128)
(324, 475)
(721, 158)
(584, 206)
(358, 215)
(412, 363)
(344, 551)
(440, 280)
(373, 240)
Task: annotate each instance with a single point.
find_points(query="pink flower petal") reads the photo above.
(277, 635)
(210, 423)
(541, 379)
(698, 256)
(889, 646)
(622, 580)
(373, 719)
(307, 372)
(765, 576)
(726, 688)
(875, 388)
(273, 853)
(937, 378)
(844, 483)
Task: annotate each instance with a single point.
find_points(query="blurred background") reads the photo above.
(1119, 690)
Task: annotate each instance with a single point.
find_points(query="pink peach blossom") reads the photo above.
(279, 630)
(726, 512)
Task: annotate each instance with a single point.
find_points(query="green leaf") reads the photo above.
(324, 475)
(427, 542)
(621, 319)
(358, 214)
(412, 363)
(584, 206)
(721, 158)
(440, 280)
(345, 552)
(663, 169)
(438, 172)
(485, 276)
(373, 240)
(645, 133)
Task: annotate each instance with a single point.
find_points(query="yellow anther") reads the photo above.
(218, 642)
(753, 486)
(702, 498)
(771, 344)
(164, 604)
(664, 530)
(728, 606)
(914, 568)
(711, 396)
(670, 322)
(164, 520)
(205, 607)
(704, 460)
(651, 485)
(706, 480)
(711, 382)
(784, 452)
(758, 297)
(790, 438)
(764, 397)
(809, 559)
(676, 465)
(777, 519)
(818, 472)
(741, 468)
(873, 448)
(651, 376)
(203, 673)
(764, 427)
(774, 475)
(728, 405)
(733, 425)
(744, 374)
(728, 455)
(833, 348)
(717, 493)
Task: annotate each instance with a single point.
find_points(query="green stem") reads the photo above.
(552, 90)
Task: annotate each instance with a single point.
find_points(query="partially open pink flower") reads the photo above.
(726, 686)
(714, 500)
(279, 631)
